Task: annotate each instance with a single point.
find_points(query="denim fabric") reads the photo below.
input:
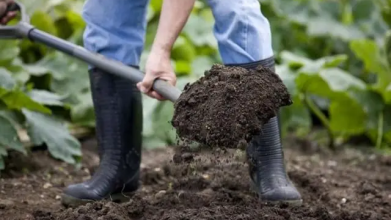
(116, 29)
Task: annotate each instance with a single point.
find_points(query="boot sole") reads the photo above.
(73, 202)
(290, 203)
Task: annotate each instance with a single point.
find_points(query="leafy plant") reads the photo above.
(36, 87)
(25, 107)
(354, 106)
(355, 95)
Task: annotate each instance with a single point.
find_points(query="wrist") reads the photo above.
(161, 50)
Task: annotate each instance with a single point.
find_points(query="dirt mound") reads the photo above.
(213, 186)
(229, 105)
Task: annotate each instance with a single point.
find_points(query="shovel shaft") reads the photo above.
(111, 66)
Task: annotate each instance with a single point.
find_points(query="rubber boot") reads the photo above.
(266, 159)
(118, 111)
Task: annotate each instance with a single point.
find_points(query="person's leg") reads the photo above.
(244, 39)
(116, 30)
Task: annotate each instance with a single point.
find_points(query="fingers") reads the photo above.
(151, 93)
(148, 89)
(146, 85)
(156, 95)
(8, 17)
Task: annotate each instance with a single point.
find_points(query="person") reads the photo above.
(116, 29)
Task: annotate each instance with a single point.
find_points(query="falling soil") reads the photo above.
(200, 185)
(228, 106)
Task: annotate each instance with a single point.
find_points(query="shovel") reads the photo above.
(25, 30)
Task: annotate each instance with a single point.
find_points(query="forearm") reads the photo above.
(173, 18)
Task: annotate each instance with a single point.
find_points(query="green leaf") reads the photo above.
(347, 15)
(149, 106)
(197, 29)
(43, 22)
(200, 65)
(45, 97)
(296, 117)
(288, 77)
(6, 80)
(307, 65)
(347, 116)
(323, 63)
(9, 49)
(387, 94)
(32, 6)
(3, 153)
(57, 64)
(183, 50)
(18, 72)
(312, 76)
(373, 105)
(16, 119)
(341, 81)
(321, 26)
(363, 9)
(18, 100)
(83, 113)
(150, 35)
(76, 20)
(369, 53)
(34, 69)
(2, 165)
(156, 5)
(297, 11)
(328, 82)
(150, 13)
(387, 46)
(161, 122)
(387, 124)
(9, 136)
(182, 67)
(293, 60)
(333, 61)
(52, 131)
(70, 76)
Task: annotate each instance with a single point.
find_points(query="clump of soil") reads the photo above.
(228, 106)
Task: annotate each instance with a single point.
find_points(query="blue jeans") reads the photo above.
(116, 29)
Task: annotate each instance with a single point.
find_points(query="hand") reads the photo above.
(3, 8)
(158, 66)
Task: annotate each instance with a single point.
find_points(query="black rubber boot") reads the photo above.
(118, 110)
(266, 159)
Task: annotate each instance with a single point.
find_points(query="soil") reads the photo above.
(228, 106)
(199, 185)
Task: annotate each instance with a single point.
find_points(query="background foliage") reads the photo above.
(334, 57)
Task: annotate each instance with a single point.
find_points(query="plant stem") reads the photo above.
(315, 109)
(380, 130)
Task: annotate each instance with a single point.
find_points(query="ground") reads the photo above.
(349, 184)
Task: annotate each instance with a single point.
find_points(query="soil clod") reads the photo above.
(229, 105)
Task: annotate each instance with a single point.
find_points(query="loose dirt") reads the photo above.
(203, 186)
(229, 105)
